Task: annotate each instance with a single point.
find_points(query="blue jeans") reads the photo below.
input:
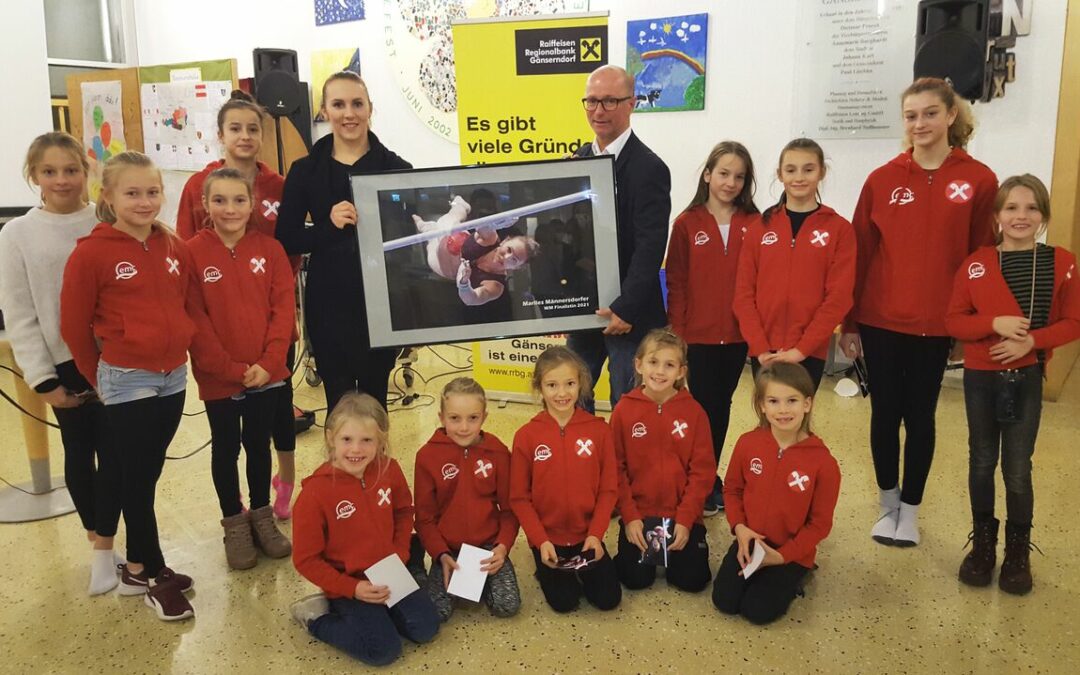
(594, 347)
(372, 633)
(1015, 442)
(124, 385)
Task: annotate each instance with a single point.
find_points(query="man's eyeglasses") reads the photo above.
(608, 103)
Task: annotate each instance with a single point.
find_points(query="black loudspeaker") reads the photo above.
(277, 82)
(951, 42)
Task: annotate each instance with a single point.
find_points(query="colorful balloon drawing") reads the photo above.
(103, 145)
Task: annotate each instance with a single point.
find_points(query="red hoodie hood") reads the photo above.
(343, 525)
(665, 457)
(463, 494)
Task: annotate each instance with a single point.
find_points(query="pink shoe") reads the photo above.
(282, 498)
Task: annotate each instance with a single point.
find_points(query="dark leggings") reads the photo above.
(687, 569)
(283, 427)
(905, 374)
(143, 431)
(765, 597)
(234, 423)
(84, 432)
(599, 582)
(368, 373)
(714, 372)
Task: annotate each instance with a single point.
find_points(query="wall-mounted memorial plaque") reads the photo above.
(853, 58)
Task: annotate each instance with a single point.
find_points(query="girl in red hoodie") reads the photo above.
(796, 269)
(702, 263)
(1011, 305)
(122, 315)
(354, 511)
(462, 482)
(781, 490)
(917, 218)
(240, 123)
(563, 487)
(242, 302)
(663, 446)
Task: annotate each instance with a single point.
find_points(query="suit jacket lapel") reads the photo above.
(627, 152)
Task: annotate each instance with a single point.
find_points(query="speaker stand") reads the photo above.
(280, 146)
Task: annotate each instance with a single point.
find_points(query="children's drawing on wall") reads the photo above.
(338, 11)
(324, 63)
(667, 56)
(102, 127)
(180, 122)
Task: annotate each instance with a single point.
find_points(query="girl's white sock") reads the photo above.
(102, 573)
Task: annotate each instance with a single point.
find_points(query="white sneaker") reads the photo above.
(884, 530)
(305, 610)
(907, 527)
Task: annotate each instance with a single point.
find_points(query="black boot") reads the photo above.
(978, 566)
(1015, 575)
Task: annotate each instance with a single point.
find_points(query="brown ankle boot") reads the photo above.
(978, 566)
(267, 536)
(239, 548)
(1015, 574)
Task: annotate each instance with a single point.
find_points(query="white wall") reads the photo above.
(749, 90)
(25, 83)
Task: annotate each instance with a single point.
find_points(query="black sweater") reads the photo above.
(335, 312)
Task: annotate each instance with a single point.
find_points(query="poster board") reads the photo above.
(128, 82)
(178, 105)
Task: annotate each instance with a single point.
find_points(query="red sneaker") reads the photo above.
(166, 596)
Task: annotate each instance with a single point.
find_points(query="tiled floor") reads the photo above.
(868, 609)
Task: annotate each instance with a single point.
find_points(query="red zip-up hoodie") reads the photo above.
(563, 482)
(191, 217)
(463, 494)
(914, 228)
(665, 457)
(792, 293)
(980, 294)
(788, 497)
(701, 272)
(128, 297)
(343, 525)
(243, 304)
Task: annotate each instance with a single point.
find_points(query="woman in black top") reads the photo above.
(319, 185)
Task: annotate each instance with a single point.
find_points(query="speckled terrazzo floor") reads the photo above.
(868, 609)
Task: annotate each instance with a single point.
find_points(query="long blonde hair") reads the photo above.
(129, 159)
(656, 339)
(53, 139)
(356, 406)
(555, 356)
(963, 127)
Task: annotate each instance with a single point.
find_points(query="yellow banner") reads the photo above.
(520, 83)
(519, 87)
(505, 368)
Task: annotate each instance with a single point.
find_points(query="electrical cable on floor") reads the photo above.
(398, 395)
(27, 492)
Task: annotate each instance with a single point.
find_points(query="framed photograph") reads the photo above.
(471, 253)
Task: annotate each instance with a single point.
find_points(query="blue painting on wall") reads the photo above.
(338, 11)
(667, 56)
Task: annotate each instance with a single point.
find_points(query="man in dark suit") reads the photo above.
(643, 186)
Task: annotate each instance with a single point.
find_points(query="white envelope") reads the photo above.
(468, 580)
(756, 556)
(392, 573)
